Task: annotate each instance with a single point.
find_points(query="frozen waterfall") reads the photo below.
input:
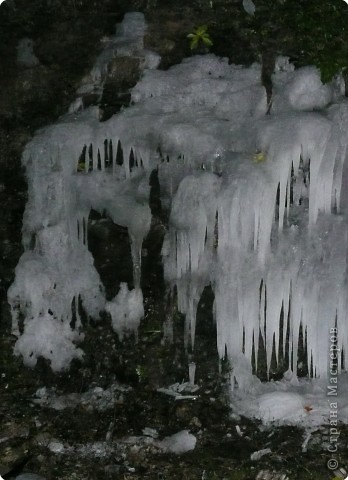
(270, 237)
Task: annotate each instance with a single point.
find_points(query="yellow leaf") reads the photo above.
(259, 157)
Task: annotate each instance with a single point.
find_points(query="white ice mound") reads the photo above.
(126, 310)
(179, 443)
(301, 89)
(50, 338)
(282, 406)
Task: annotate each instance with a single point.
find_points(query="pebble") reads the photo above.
(260, 453)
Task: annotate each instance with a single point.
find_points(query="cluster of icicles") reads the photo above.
(270, 238)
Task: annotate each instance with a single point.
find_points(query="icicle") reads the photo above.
(192, 371)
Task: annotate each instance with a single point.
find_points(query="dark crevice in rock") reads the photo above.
(110, 246)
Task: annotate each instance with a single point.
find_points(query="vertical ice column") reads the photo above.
(56, 272)
(189, 244)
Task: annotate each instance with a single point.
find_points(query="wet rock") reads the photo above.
(150, 432)
(123, 74)
(195, 422)
(124, 71)
(25, 53)
(34, 89)
(13, 430)
(13, 458)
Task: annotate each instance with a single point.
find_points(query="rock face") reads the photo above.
(25, 53)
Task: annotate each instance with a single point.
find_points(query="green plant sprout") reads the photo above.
(259, 157)
(141, 372)
(81, 167)
(200, 37)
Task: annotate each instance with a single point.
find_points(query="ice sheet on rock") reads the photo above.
(204, 99)
(199, 115)
(193, 77)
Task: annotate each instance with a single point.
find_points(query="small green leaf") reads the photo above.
(259, 157)
(200, 36)
(207, 41)
(201, 30)
(194, 43)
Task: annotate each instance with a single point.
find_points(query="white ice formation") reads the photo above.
(269, 237)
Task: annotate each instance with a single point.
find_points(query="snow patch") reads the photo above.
(178, 443)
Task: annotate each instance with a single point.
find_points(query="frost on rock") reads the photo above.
(269, 237)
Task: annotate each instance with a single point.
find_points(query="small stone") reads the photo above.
(260, 453)
(56, 447)
(268, 475)
(150, 432)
